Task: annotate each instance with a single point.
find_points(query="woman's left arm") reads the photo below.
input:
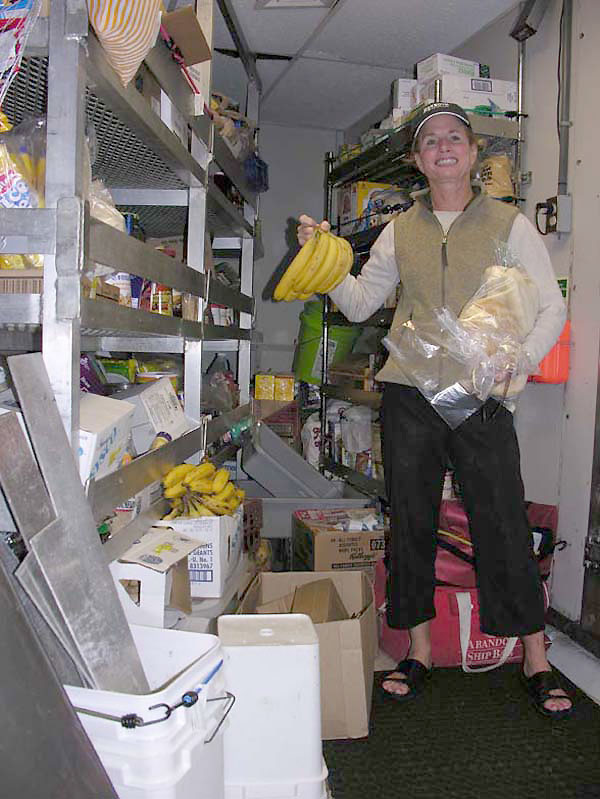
(530, 251)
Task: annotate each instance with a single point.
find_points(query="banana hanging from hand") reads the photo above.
(320, 266)
(295, 269)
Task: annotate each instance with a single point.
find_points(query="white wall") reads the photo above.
(555, 423)
(296, 175)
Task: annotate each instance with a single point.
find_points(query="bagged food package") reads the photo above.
(17, 18)
(484, 341)
(127, 31)
(22, 177)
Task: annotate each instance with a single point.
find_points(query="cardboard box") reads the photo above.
(157, 410)
(152, 577)
(319, 543)
(358, 199)
(439, 64)
(473, 94)
(284, 388)
(264, 387)
(402, 94)
(184, 28)
(105, 425)
(214, 560)
(319, 600)
(346, 648)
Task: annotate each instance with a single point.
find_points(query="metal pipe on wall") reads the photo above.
(564, 99)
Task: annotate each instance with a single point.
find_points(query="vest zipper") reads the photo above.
(444, 266)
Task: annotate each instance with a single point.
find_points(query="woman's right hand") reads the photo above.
(307, 227)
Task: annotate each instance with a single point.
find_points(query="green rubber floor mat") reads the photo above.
(469, 736)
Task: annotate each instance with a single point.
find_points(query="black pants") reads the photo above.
(484, 452)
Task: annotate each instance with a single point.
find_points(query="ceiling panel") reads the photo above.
(333, 99)
(397, 33)
(282, 31)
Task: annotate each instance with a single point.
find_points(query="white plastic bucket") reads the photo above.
(273, 747)
(179, 754)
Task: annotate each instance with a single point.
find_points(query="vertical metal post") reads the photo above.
(192, 372)
(564, 109)
(520, 120)
(325, 336)
(247, 264)
(64, 185)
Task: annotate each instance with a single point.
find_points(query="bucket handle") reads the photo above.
(230, 698)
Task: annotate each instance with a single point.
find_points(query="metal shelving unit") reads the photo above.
(385, 161)
(150, 171)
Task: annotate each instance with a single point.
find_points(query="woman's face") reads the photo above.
(445, 154)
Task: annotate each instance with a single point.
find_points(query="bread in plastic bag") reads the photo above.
(485, 340)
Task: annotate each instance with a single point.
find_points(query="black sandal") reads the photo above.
(539, 687)
(416, 677)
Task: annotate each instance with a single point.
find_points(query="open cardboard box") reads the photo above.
(217, 553)
(155, 569)
(346, 648)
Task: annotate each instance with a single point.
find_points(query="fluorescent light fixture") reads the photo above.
(260, 4)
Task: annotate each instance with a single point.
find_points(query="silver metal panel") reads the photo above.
(223, 217)
(133, 110)
(20, 309)
(196, 252)
(47, 753)
(20, 341)
(22, 482)
(64, 188)
(119, 543)
(494, 126)
(70, 554)
(30, 578)
(111, 247)
(37, 41)
(373, 488)
(152, 197)
(110, 318)
(159, 221)
(233, 169)
(105, 494)
(223, 295)
(27, 230)
(218, 332)
(130, 344)
(170, 78)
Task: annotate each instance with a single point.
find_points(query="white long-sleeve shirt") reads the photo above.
(359, 297)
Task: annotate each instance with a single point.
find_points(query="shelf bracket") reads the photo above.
(69, 246)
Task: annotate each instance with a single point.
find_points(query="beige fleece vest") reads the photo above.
(443, 271)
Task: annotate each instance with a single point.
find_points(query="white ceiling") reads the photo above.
(343, 58)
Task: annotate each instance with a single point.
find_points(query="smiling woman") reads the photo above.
(439, 251)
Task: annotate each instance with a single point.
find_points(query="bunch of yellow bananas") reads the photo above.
(202, 490)
(320, 266)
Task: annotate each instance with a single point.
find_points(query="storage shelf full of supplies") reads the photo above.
(169, 181)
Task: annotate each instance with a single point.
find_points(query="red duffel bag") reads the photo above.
(454, 563)
(456, 639)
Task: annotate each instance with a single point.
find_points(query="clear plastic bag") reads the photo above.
(17, 18)
(22, 178)
(485, 341)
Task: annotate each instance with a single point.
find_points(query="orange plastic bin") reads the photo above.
(554, 368)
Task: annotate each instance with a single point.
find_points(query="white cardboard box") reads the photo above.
(402, 93)
(105, 425)
(157, 566)
(213, 561)
(157, 410)
(472, 93)
(440, 64)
